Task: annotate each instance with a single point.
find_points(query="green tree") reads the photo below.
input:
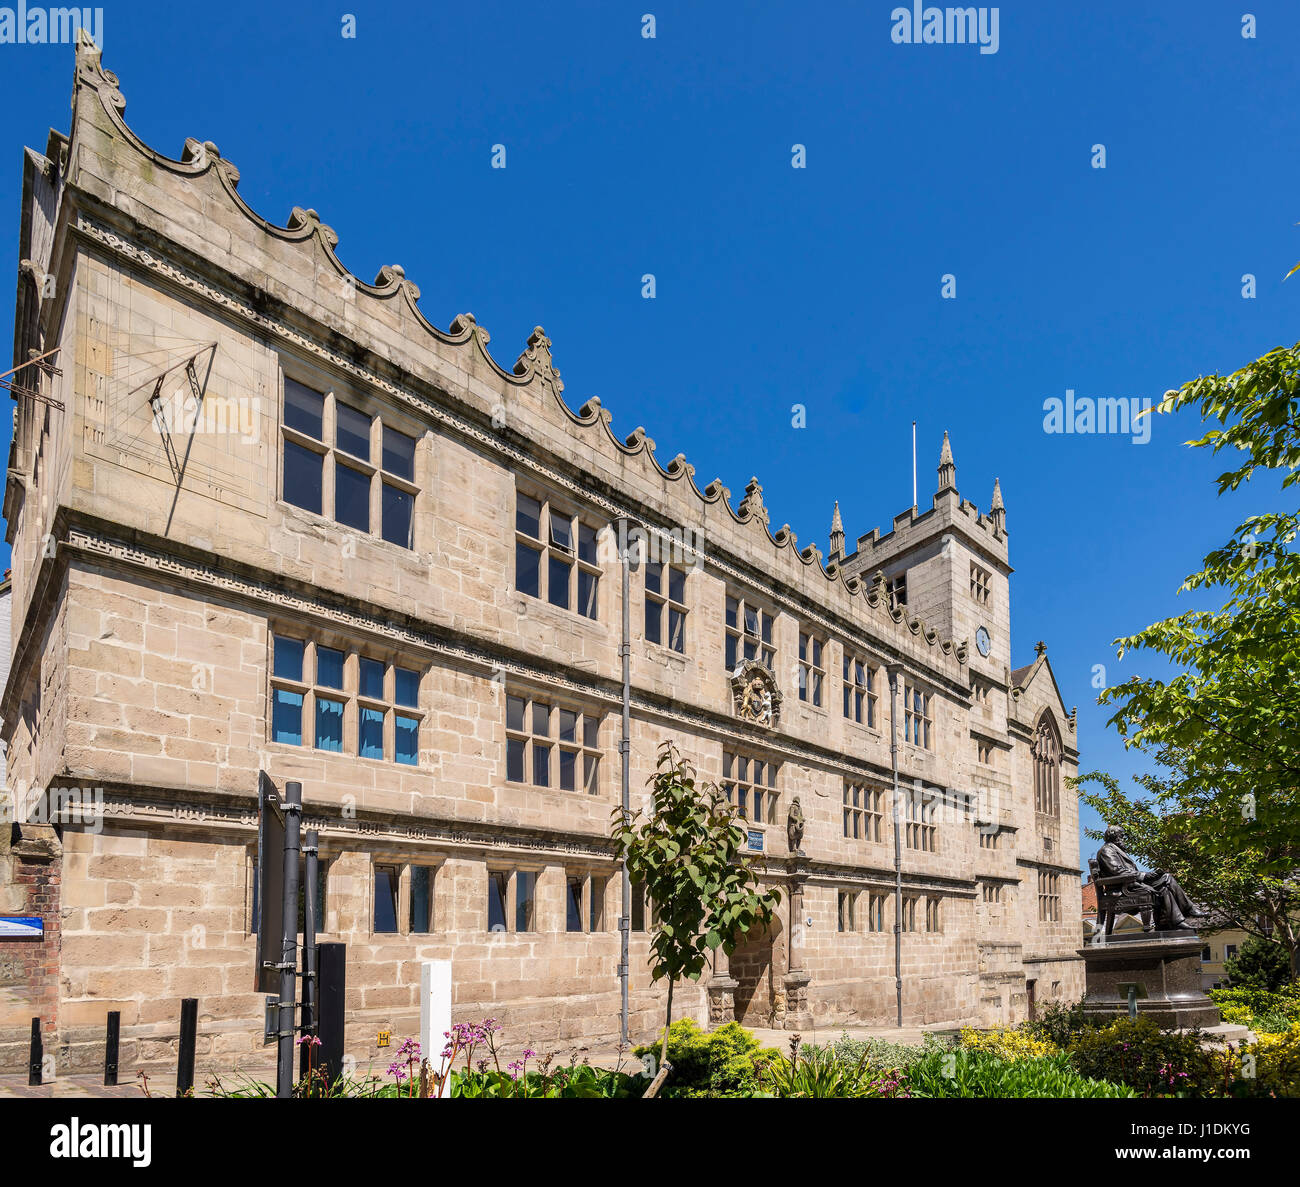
(1261, 964)
(688, 854)
(1232, 713)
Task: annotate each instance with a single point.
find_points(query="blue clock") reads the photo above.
(982, 642)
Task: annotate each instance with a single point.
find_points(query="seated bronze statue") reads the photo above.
(1122, 886)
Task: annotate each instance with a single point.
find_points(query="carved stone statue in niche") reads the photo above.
(794, 827)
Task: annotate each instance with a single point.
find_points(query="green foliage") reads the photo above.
(882, 1055)
(1059, 1023)
(689, 855)
(1155, 1062)
(1260, 964)
(1260, 1009)
(819, 1073)
(986, 1076)
(1007, 1043)
(722, 1062)
(582, 1082)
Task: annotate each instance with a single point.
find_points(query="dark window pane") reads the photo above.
(591, 731)
(541, 719)
(286, 717)
(767, 628)
(399, 453)
(751, 621)
(352, 498)
(591, 773)
(370, 733)
(407, 687)
(352, 431)
(527, 566)
(515, 760)
(386, 878)
(568, 770)
(561, 532)
(421, 900)
(587, 583)
(557, 581)
(329, 667)
(498, 890)
(731, 653)
(677, 585)
(653, 621)
(528, 517)
(372, 679)
(288, 658)
(676, 629)
(732, 608)
(329, 724)
(587, 543)
(302, 477)
(304, 409)
(568, 725)
(541, 765)
(397, 509)
(515, 713)
(654, 578)
(573, 905)
(638, 907)
(525, 883)
(406, 737)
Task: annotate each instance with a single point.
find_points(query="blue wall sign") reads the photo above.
(756, 839)
(21, 927)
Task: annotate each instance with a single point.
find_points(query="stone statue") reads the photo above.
(1172, 906)
(794, 826)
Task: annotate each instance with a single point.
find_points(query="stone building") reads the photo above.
(266, 517)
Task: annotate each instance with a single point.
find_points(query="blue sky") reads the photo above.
(778, 286)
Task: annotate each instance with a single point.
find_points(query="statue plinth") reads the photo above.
(1164, 968)
(722, 999)
(797, 1014)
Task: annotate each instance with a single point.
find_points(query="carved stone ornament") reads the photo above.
(756, 696)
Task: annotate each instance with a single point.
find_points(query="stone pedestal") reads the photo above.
(722, 999)
(1165, 968)
(797, 1014)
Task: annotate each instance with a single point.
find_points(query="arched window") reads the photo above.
(1047, 767)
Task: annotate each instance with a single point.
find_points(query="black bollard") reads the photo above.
(185, 1059)
(110, 1046)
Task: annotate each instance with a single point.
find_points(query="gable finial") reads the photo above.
(837, 534)
(998, 511)
(947, 468)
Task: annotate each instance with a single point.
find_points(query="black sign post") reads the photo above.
(288, 964)
(270, 886)
(333, 989)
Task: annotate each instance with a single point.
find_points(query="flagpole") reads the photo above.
(913, 465)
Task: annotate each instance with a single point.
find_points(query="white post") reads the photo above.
(435, 1010)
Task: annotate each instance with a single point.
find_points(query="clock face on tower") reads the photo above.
(982, 642)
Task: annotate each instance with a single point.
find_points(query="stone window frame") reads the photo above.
(738, 639)
(592, 913)
(846, 913)
(990, 840)
(991, 892)
(1049, 896)
(876, 912)
(548, 544)
(855, 692)
(920, 827)
(588, 756)
(896, 589)
(864, 811)
(933, 914)
(1046, 753)
(812, 668)
(984, 752)
(507, 880)
(918, 716)
(663, 608)
(311, 690)
(980, 579)
(740, 791)
(326, 446)
(907, 922)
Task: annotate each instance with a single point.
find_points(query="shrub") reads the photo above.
(882, 1055)
(1260, 964)
(1006, 1044)
(1260, 1009)
(1060, 1023)
(1135, 1051)
(722, 1062)
(581, 1082)
(984, 1075)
